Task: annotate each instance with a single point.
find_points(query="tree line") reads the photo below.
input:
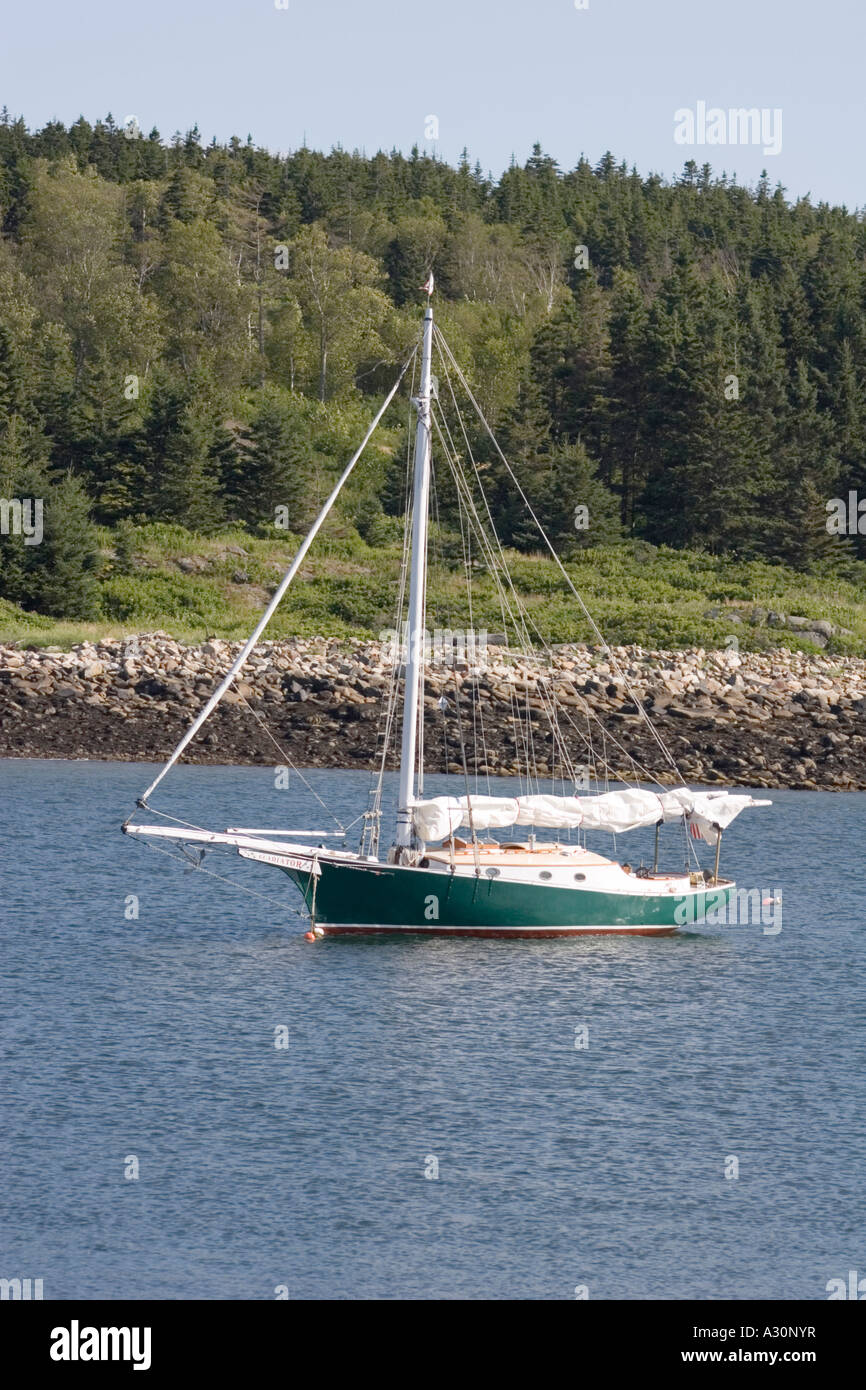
(195, 333)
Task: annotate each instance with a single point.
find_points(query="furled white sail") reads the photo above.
(627, 809)
(712, 812)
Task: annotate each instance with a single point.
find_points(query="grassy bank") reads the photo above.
(193, 587)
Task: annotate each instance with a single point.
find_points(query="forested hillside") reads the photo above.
(198, 336)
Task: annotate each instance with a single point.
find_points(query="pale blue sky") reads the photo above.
(498, 75)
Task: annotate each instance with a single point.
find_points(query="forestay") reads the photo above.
(627, 809)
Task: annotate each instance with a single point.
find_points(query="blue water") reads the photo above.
(154, 1037)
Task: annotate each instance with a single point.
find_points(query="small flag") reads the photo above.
(428, 283)
(702, 829)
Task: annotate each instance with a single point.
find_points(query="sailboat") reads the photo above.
(430, 879)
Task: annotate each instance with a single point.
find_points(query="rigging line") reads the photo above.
(526, 619)
(189, 825)
(383, 362)
(607, 737)
(466, 776)
(654, 732)
(643, 774)
(434, 543)
(451, 658)
(277, 597)
(518, 622)
(436, 530)
(296, 770)
(519, 733)
(199, 868)
(387, 712)
(474, 519)
(508, 615)
(390, 714)
(522, 621)
(541, 682)
(442, 703)
(520, 627)
(465, 550)
(560, 748)
(420, 639)
(638, 704)
(384, 732)
(477, 703)
(530, 733)
(690, 847)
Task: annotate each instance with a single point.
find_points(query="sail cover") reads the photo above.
(627, 809)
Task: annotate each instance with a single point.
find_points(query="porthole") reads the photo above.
(545, 873)
(580, 878)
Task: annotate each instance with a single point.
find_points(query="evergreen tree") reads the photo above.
(177, 453)
(805, 474)
(53, 569)
(577, 509)
(276, 467)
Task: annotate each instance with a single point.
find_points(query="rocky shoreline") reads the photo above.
(770, 719)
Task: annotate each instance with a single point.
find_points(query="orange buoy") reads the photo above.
(309, 936)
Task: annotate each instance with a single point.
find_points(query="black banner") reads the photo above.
(160, 1339)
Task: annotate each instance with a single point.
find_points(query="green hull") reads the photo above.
(386, 898)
